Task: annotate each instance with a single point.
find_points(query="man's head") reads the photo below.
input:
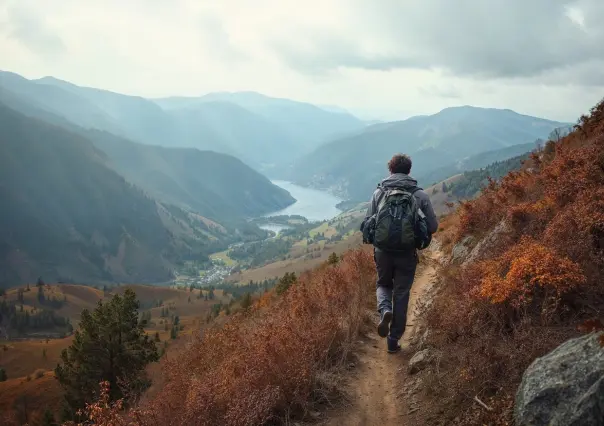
(400, 163)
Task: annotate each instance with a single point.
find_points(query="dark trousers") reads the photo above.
(396, 272)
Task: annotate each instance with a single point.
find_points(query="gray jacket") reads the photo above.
(407, 182)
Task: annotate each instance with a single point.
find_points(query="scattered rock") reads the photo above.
(461, 250)
(480, 250)
(315, 414)
(420, 360)
(565, 387)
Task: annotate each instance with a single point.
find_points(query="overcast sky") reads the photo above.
(384, 58)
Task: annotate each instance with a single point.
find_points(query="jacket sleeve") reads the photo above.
(372, 204)
(426, 206)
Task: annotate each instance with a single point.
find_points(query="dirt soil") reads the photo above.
(374, 389)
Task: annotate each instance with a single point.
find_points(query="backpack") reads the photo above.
(398, 225)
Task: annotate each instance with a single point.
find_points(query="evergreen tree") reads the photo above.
(333, 259)
(285, 282)
(173, 332)
(246, 301)
(2, 375)
(110, 345)
(157, 339)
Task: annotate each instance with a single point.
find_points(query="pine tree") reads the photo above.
(173, 332)
(110, 345)
(285, 282)
(3, 377)
(333, 259)
(246, 301)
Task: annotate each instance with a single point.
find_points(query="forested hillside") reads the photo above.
(353, 165)
(67, 215)
(474, 181)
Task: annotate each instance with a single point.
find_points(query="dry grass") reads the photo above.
(270, 364)
(24, 401)
(535, 285)
(298, 265)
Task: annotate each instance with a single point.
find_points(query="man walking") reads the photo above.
(400, 219)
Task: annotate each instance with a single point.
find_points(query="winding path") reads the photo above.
(375, 388)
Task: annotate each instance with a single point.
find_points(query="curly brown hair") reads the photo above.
(400, 163)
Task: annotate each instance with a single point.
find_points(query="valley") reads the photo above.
(234, 218)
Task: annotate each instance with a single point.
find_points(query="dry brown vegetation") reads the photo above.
(31, 356)
(532, 285)
(268, 364)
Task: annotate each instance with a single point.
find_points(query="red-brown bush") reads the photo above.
(273, 362)
(537, 282)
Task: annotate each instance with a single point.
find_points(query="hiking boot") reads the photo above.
(393, 346)
(384, 325)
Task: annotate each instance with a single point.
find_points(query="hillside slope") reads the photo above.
(306, 126)
(213, 184)
(216, 185)
(260, 130)
(526, 260)
(67, 215)
(432, 141)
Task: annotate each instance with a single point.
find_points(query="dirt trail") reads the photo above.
(376, 386)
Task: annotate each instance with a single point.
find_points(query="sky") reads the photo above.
(379, 59)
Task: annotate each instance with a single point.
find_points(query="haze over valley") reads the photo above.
(200, 167)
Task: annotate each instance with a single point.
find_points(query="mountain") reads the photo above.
(264, 132)
(464, 186)
(68, 215)
(237, 131)
(477, 161)
(215, 185)
(305, 125)
(354, 164)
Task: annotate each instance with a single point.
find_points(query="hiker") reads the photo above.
(399, 221)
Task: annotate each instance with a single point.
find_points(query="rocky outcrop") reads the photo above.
(461, 250)
(481, 249)
(565, 387)
(421, 360)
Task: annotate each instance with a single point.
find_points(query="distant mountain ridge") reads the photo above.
(89, 206)
(354, 164)
(263, 132)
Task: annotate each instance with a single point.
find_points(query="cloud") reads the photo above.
(387, 58)
(442, 91)
(32, 30)
(484, 39)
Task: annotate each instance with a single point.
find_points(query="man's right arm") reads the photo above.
(426, 206)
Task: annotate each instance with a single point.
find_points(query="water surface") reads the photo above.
(313, 204)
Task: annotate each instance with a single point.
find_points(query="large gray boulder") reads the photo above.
(565, 387)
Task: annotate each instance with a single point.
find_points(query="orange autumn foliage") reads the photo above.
(538, 275)
(525, 270)
(268, 364)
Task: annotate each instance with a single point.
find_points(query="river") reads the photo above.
(313, 204)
